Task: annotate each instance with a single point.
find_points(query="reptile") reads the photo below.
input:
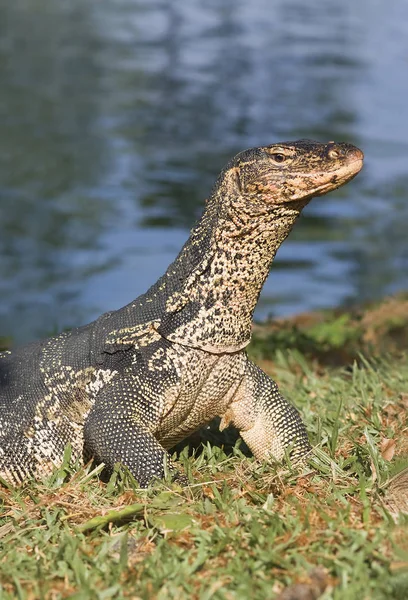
(130, 385)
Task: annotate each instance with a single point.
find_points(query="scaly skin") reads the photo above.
(128, 386)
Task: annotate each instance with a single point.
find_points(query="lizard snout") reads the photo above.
(343, 151)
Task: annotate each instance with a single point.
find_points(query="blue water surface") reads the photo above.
(117, 115)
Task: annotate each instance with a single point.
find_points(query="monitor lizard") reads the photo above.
(130, 385)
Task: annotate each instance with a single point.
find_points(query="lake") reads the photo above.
(117, 115)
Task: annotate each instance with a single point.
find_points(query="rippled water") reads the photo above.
(116, 116)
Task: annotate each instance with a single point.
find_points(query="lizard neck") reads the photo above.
(213, 310)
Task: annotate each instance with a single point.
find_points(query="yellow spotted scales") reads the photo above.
(128, 386)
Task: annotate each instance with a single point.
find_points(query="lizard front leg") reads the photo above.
(118, 430)
(267, 422)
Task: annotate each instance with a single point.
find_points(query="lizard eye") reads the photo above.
(278, 157)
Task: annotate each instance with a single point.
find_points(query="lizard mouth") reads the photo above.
(318, 184)
(340, 176)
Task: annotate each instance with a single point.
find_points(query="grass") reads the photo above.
(242, 529)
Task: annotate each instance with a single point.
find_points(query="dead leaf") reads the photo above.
(387, 448)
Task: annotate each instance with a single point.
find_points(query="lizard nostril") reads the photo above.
(333, 153)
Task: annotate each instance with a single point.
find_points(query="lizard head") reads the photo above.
(294, 171)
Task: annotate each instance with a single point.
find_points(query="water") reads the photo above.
(116, 116)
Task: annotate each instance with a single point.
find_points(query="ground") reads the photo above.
(245, 530)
